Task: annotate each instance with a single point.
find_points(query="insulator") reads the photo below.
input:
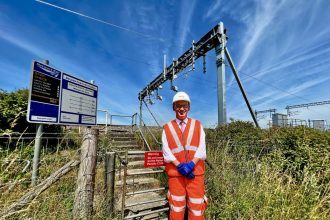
(174, 88)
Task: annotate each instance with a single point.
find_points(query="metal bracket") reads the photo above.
(220, 61)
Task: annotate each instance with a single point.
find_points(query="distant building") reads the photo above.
(279, 120)
(319, 124)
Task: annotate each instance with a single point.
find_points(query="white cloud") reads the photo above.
(215, 7)
(184, 24)
(263, 16)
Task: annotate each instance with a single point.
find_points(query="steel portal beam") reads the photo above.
(307, 104)
(205, 44)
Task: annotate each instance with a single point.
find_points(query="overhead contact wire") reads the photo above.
(98, 20)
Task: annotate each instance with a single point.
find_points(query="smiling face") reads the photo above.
(181, 109)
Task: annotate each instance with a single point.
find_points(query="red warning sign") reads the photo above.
(153, 159)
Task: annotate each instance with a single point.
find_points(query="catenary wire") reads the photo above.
(99, 20)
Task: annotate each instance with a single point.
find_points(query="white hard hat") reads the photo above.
(181, 96)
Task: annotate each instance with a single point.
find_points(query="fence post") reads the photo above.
(83, 203)
(109, 182)
(123, 200)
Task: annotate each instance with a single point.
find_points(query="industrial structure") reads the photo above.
(286, 120)
(306, 105)
(216, 39)
(260, 114)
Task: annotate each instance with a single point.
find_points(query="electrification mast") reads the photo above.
(214, 39)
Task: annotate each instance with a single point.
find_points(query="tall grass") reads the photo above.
(259, 174)
(268, 174)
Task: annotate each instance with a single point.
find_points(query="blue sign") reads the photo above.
(59, 98)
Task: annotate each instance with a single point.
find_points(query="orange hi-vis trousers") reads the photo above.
(184, 192)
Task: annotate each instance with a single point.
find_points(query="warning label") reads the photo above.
(153, 159)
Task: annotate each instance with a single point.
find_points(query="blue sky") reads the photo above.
(281, 50)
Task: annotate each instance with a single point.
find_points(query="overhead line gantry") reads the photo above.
(306, 105)
(214, 39)
(270, 111)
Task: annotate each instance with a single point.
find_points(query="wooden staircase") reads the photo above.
(141, 188)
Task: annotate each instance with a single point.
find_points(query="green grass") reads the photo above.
(259, 174)
(268, 174)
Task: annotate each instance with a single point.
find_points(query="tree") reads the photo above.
(13, 109)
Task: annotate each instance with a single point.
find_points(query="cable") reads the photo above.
(275, 87)
(282, 90)
(113, 25)
(99, 20)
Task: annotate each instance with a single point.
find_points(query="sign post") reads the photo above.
(37, 146)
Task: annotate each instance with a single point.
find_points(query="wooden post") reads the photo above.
(123, 201)
(109, 185)
(83, 203)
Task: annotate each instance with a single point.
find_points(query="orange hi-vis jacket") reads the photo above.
(183, 145)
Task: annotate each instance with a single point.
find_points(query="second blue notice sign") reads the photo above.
(59, 98)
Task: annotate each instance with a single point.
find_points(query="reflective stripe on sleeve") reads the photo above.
(174, 135)
(191, 131)
(177, 208)
(196, 200)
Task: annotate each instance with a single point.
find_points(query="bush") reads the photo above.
(278, 173)
(13, 108)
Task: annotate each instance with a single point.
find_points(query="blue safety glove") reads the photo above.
(182, 168)
(191, 175)
(186, 168)
(189, 166)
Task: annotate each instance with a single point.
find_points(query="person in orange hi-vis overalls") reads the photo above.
(184, 153)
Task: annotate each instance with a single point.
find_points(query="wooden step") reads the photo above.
(141, 182)
(131, 142)
(145, 201)
(120, 130)
(156, 214)
(136, 164)
(126, 147)
(135, 157)
(161, 189)
(123, 138)
(132, 171)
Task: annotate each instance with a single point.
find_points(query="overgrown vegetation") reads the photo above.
(13, 108)
(268, 174)
(279, 173)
